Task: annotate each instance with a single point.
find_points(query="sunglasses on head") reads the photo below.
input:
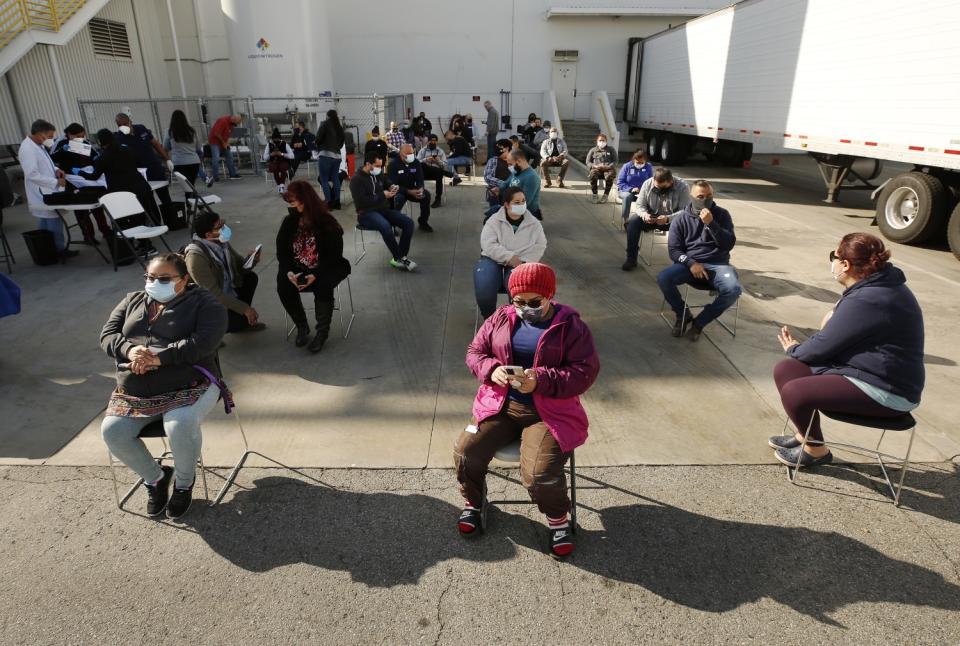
(163, 280)
(533, 302)
(834, 256)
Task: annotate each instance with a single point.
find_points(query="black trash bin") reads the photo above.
(41, 246)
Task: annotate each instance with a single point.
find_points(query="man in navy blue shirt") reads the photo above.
(407, 173)
(700, 240)
(147, 150)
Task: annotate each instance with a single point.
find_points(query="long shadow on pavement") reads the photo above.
(381, 539)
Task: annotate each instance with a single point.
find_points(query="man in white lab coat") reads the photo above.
(41, 176)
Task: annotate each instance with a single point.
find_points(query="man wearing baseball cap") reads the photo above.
(534, 358)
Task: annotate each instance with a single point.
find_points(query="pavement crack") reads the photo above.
(443, 593)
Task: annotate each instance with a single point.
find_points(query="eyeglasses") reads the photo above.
(163, 280)
(533, 302)
(834, 256)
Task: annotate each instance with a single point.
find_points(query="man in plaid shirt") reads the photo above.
(395, 137)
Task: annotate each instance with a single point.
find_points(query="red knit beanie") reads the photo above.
(533, 277)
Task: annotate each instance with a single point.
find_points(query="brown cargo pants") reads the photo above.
(541, 460)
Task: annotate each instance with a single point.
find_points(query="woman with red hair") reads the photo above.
(552, 361)
(310, 259)
(867, 358)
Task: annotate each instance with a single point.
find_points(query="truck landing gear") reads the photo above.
(837, 169)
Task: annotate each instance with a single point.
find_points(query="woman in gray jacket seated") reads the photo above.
(164, 340)
(510, 237)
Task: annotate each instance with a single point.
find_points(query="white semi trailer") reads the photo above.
(852, 83)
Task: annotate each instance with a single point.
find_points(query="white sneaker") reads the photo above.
(282, 188)
(408, 264)
(603, 199)
(596, 198)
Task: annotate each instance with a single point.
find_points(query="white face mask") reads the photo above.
(836, 276)
(376, 170)
(48, 143)
(518, 209)
(125, 130)
(554, 135)
(161, 292)
(601, 144)
(409, 158)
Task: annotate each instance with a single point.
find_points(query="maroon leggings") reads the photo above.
(803, 392)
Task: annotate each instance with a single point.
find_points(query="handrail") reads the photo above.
(602, 101)
(17, 16)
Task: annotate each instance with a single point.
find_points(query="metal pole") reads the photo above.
(58, 82)
(253, 140)
(143, 60)
(176, 53)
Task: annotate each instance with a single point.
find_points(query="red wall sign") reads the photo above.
(426, 98)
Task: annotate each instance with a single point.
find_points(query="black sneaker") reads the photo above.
(469, 523)
(303, 337)
(209, 182)
(456, 180)
(157, 495)
(426, 228)
(695, 331)
(318, 342)
(179, 502)
(436, 204)
(686, 322)
(629, 265)
(561, 543)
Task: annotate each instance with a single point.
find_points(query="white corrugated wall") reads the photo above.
(85, 75)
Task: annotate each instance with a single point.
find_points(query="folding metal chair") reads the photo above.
(152, 430)
(652, 235)
(6, 253)
(511, 454)
(905, 422)
(703, 286)
(338, 307)
(359, 242)
(197, 202)
(121, 205)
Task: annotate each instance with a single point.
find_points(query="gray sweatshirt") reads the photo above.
(650, 203)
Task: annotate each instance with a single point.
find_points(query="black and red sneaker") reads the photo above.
(469, 522)
(561, 542)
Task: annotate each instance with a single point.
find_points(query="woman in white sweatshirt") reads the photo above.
(510, 237)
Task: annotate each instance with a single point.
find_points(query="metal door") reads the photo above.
(565, 87)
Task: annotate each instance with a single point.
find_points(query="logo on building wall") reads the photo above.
(262, 46)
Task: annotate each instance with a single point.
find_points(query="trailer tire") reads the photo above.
(912, 208)
(953, 231)
(673, 149)
(653, 145)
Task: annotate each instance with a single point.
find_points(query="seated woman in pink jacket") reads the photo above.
(541, 406)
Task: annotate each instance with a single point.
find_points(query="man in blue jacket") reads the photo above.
(700, 240)
(407, 173)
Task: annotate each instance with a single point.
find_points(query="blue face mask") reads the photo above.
(225, 234)
(161, 292)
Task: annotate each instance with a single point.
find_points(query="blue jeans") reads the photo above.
(329, 173)
(489, 279)
(54, 226)
(453, 162)
(215, 152)
(628, 198)
(182, 426)
(384, 223)
(723, 278)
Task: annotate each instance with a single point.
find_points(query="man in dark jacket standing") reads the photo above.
(301, 140)
(407, 173)
(700, 240)
(374, 212)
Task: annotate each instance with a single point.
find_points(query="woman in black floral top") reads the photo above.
(310, 259)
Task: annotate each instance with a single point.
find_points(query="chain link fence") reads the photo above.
(358, 114)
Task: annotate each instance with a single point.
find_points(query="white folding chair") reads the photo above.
(196, 202)
(337, 306)
(653, 235)
(122, 205)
